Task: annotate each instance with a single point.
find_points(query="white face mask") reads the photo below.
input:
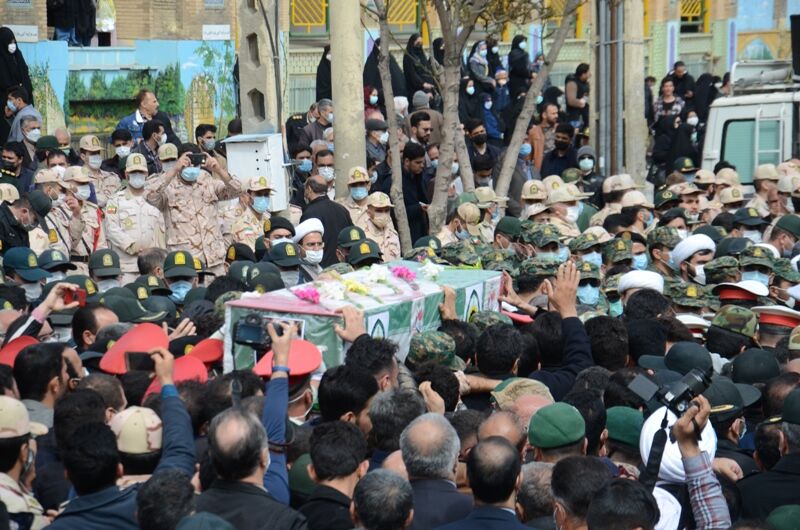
(95, 161)
(32, 291)
(789, 205)
(167, 166)
(384, 137)
(163, 139)
(699, 275)
(683, 233)
(280, 240)
(327, 173)
(753, 235)
(573, 212)
(108, 283)
(83, 192)
(12, 47)
(137, 180)
(56, 277)
(693, 121)
(123, 151)
(314, 256)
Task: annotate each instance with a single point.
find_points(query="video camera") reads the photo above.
(251, 331)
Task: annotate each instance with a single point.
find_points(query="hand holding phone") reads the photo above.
(78, 295)
(139, 361)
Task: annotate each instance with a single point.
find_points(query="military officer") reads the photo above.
(379, 226)
(131, 223)
(93, 236)
(105, 183)
(62, 224)
(248, 223)
(765, 177)
(356, 202)
(188, 196)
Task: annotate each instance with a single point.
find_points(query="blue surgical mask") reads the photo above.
(550, 256)
(523, 45)
(594, 258)
(179, 290)
(640, 261)
(462, 235)
(305, 165)
(190, 174)
(563, 253)
(331, 147)
(539, 100)
(651, 219)
(261, 204)
(496, 215)
(358, 193)
(435, 163)
(689, 177)
(588, 294)
(615, 308)
(586, 164)
(483, 53)
(757, 276)
(470, 90)
(373, 100)
(525, 150)
(11, 106)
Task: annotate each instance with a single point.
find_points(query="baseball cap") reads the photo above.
(379, 200)
(285, 254)
(556, 425)
(508, 226)
(471, 215)
(138, 430)
(754, 366)
(433, 346)
(178, 264)
(789, 223)
(748, 217)
(357, 175)
(51, 260)
(128, 310)
(240, 252)
(350, 236)
(104, 262)
(682, 357)
(505, 393)
(736, 319)
(23, 261)
(90, 143)
(135, 162)
(683, 164)
(14, 420)
(276, 222)
(364, 250)
(167, 151)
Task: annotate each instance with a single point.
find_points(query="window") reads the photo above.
(738, 135)
(694, 16)
(308, 18)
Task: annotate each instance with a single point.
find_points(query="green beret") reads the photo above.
(556, 425)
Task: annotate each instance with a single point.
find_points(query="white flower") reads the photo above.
(331, 290)
(431, 270)
(378, 274)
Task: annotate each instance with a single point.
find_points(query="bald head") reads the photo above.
(316, 185)
(525, 407)
(493, 469)
(237, 443)
(429, 446)
(394, 463)
(504, 425)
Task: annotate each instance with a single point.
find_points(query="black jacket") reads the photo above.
(12, 234)
(327, 509)
(436, 503)
(413, 195)
(246, 507)
(324, 86)
(764, 492)
(334, 218)
(728, 449)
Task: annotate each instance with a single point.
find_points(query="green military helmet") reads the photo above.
(433, 346)
(179, 264)
(664, 235)
(585, 241)
(757, 256)
(722, 269)
(544, 234)
(736, 319)
(588, 271)
(486, 319)
(783, 269)
(688, 295)
(619, 249)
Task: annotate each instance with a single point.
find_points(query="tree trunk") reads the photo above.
(391, 117)
(525, 115)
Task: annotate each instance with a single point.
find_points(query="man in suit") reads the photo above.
(494, 470)
(429, 446)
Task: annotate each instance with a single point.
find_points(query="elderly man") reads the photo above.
(315, 130)
(105, 183)
(379, 226)
(334, 217)
(188, 196)
(308, 236)
(689, 256)
(31, 128)
(19, 105)
(146, 110)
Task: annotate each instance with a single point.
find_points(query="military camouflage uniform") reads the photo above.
(105, 184)
(485, 319)
(486, 231)
(590, 271)
(737, 319)
(433, 346)
(756, 256)
(760, 204)
(446, 236)
(357, 213)
(722, 269)
(462, 253)
(247, 225)
(62, 230)
(387, 239)
(783, 269)
(191, 214)
(132, 225)
(598, 218)
(17, 501)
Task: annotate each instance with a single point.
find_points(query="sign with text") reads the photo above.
(24, 33)
(216, 32)
(24, 4)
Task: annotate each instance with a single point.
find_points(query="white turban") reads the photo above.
(689, 246)
(641, 280)
(306, 227)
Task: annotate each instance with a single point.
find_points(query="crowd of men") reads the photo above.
(117, 411)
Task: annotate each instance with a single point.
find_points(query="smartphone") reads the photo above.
(77, 294)
(197, 159)
(139, 361)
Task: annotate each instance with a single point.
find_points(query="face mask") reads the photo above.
(756, 276)
(314, 256)
(58, 201)
(305, 165)
(593, 257)
(162, 139)
(373, 100)
(329, 117)
(699, 275)
(381, 219)
(453, 168)
(479, 139)
(588, 294)
(95, 161)
(168, 166)
(753, 235)
(523, 45)
(539, 100)
(683, 233)
(208, 145)
(60, 170)
(327, 173)
(105, 285)
(495, 49)
(359, 193)
(11, 106)
(563, 253)
(743, 432)
(32, 291)
(561, 145)
(693, 121)
(485, 182)
(56, 277)
(328, 56)
(689, 177)
(692, 217)
(281, 240)
(462, 234)
(261, 204)
(525, 150)
(487, 105)
(573, 212)
(179, 290)
(290, 278)
(502, 82)
(137, 180)
(615, 308)
(470, 90)
(331, 147)
(496, 214)
(789, 205)
(586, 164)
(12, 47)
(640, 261)
(384, 137)
(123, 151)
(373, 177)
(84, 191)
(190, 174)
(483, 53)
(34, 135)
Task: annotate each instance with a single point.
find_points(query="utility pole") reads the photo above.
(347, 60)
(636, 135)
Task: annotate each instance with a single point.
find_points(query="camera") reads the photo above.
(197, 159)
(676, 396)
(251, 331)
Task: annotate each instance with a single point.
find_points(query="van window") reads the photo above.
(739, 135)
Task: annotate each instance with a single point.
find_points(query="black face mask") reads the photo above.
(796, 204)
(561, 145)
(479, 139)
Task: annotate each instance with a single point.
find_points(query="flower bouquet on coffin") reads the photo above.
(380, 278)
(406, 275)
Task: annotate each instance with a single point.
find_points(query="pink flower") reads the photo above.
(308, 294)
(404, 273)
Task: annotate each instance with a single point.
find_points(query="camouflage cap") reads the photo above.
(491, 254)
(737, 319)
(589, 271)
(138, 431)
(611, 284)
(783, 269)
(433, 346)
(571, 174)
(339, 268)
(688, 294)
(617, 250)
(485, 319)
(727, 177)
(584, 241)
(664, 235)
(756, 256)
(664, 196)
(720, 269)
(544, 234)
(534, 190)
(219, 303)
(507, 392)
(541, 267)
(460, 253)
(14, 420)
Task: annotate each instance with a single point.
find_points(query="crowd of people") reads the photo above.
(642, 370)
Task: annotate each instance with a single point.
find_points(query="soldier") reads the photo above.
(564, 210)
(18, 434)
(105, 183)
(587, 247)
(249, 220)
(660, 242)
(590, 296)
(618, 251)
(688, 298)
(104, 269)
(348, 237)
(179, 275)
(168, 154)
(784, 277)
(731, 198)
(364, 254)
(379, 227)
(765, 177)
(724, 269)
(63, 224)
(757, 264)
(433, 346)
(464, 224)
(93, 236)
(614, 188)
(356, 202)
(665, 200)
(546, 242)
(188, 195)
(132, 224)
(56, 263)
(490, 205)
